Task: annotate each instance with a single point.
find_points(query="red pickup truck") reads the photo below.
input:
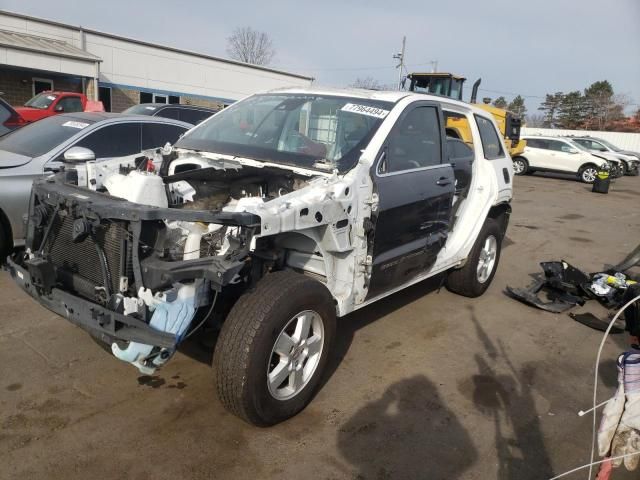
(49, 103)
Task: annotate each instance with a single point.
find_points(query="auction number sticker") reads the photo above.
(365, 110)
(73, 124)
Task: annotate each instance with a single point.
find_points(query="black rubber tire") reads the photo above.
(525, 163)
(464, 281)
(624, 168)
(583, 168)
(5, 243)
(246, 340)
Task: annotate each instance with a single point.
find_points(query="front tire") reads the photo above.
(520, 166)
(587, 173)
(474, 278)
(274, 347)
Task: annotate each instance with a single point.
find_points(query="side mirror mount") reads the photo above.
(58, 108)
(79, 154)
(573, 150)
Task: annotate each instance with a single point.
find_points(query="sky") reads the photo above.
(529, 47)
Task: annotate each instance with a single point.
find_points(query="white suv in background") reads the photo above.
(553, 154)
(629, 160)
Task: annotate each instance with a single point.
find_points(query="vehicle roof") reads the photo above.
(438, 74)
(175, 105)
(546, 137)
(60, 92)
(109, 117)
(382, 95)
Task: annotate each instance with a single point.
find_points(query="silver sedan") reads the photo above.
(46, 145)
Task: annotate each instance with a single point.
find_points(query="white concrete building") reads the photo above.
(38, 54)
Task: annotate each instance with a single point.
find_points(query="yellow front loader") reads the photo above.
(450, 85)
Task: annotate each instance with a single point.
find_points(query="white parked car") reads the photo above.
(555, 154)
(273, 217)
(630, 161)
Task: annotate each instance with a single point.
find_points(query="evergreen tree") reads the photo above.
(517, 106)
(571, 111)
(550, 107)
(500, 102)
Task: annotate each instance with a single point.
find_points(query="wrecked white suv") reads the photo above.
(272, 218)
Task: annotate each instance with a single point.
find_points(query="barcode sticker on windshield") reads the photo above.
(365, 110)
(73, 124)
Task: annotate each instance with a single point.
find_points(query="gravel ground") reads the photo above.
(423, 384)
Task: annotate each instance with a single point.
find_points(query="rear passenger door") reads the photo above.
(536, 152)
(415, 187)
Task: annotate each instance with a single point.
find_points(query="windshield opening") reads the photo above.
(42, 136)
(305, 130)
(42, 101)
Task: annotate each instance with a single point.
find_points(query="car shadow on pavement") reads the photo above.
(508, 400)
(407, 433)
(350, 324)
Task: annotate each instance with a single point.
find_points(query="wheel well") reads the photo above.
(5, 227)
(501, 213)
(589, 164)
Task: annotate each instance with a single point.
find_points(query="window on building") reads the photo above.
(146, 97)
(113, 140)
(104, 95)
(174, 99)
(69, 105)
(490, 139)
(415, 141)
(157, 135)
(41, 85)
(160, 98)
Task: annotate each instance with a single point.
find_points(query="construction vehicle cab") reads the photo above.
(446, 84)
(450, 85)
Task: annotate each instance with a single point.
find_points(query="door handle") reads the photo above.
(442, 181)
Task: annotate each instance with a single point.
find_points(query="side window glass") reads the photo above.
(172, 113)
(533, 143)
(70, 104)
(155, 135)
(415, 141)
(490, 140)
(565, 147)
(555, 145)
(113, 140)
(194, 116)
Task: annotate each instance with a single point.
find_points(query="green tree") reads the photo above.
(517, 106)
(550, 107)
(599, 104)
(500, 102)
(571, 111)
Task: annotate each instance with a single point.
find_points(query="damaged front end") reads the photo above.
(134, 276)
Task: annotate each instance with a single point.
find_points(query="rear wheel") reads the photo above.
(273, 348)
(474, 278)
(520, 166)
(587, 173)
(624, 168)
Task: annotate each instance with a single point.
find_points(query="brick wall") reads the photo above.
(122, 98)
(17, 84)
(201, 102)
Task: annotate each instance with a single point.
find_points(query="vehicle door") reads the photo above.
(536, 152)
(415, 187)
(564, 157)
(69, 104)
(112, 141)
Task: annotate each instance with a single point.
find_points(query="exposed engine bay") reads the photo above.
(182, 233)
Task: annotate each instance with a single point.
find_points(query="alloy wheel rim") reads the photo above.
(518, 166)
(487, 259)
(589, 175)
(295, 355)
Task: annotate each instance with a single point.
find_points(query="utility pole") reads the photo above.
(400, 66)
